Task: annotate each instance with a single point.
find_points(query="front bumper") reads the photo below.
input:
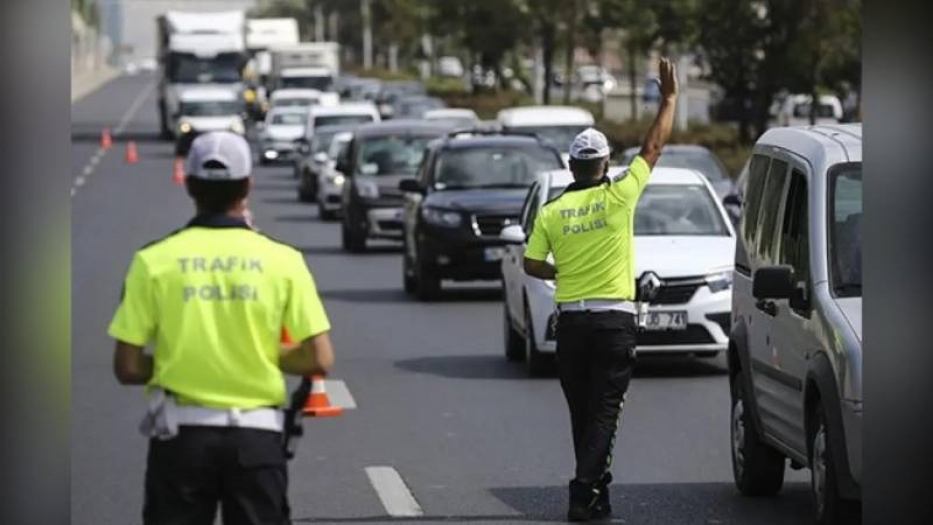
(462, 258)
(708, 319)
(330, 195)
(384, 223)
(278, 152)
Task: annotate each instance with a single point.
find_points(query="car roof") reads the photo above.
(671, 148)
(473, 141)
(822, 145)
(295, 92)
(545, 116)
(345, 108)
(207, 94)
(659, 175)
(400, 126)
(449, 112)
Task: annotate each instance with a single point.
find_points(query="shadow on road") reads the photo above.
(672, 504)
(296, 218)
(649, 367)
(385, 295)
(463, 367)
(282, 200)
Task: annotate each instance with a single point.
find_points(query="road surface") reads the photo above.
(444, 429)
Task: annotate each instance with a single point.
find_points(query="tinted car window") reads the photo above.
(678, 209)
(210, 109)
(391, 155)
(336, 120)
(493, 166)
(770, 205)
(757, 176)
(795, 228)
(288, 119)
(846, 232)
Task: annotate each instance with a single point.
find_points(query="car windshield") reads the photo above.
(678, 209)
(491, 167)
(188, 69)
(210, 109)
(560, 136)
(293, 102)
(288, 119)
(336, 120)
(846, 235)
(318, 83)
(321, 141)
(702, 161)
(392, 155)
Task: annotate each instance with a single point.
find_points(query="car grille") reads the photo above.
(677, 291)
(692, 335)
(390, 225)
(492, 225)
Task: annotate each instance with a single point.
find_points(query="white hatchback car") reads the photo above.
(682, 234)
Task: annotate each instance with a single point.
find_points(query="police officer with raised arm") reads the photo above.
(212, 299)
(588, 230)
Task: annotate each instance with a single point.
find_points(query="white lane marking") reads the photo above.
(134, 107)
(394, 494)
(124, 121)
(339, 394)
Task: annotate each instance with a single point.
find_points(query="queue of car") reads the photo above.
(772, 279)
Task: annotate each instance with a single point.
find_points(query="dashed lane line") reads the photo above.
(95, 159)
(394, 494)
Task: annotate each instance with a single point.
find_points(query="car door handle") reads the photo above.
(767, 306)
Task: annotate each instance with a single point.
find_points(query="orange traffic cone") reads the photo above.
(132, 156)
(105, 140)
(178, 176)
(318, 404)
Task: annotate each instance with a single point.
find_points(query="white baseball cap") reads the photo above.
(224, 147)
(589, 144)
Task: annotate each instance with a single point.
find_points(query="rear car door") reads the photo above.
(515, 255)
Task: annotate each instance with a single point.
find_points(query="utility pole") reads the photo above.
(367, 34)
(682, 113)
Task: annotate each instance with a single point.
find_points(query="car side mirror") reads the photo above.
(513, 234)
(774, 282)
(410, 186)
(732, 200)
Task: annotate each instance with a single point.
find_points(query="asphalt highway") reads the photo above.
(443, 429)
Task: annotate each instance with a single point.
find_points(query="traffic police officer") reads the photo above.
(588, 230)
(212, 298)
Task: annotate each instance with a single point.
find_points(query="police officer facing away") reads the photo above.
(588, 230)
(212, 298)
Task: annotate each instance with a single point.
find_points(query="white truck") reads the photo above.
(313, 65)
(194, 50)
(262, 36)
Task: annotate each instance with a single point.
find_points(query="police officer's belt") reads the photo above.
(598, 305)
(164, 417)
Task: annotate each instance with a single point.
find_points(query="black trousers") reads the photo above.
(595, 356)
(241, 469)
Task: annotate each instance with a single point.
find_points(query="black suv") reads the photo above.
(379, 156)
(470, 186)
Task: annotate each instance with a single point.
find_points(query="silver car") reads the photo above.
(795, 349)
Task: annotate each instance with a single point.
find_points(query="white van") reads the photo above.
(558, 124)
(794, 110)
(344, 113)
(208, 108)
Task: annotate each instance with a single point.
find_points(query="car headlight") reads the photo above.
(719, 281)
(441, 217)
(184, 127)
(338, 180)
(367, 189)
(237, 127)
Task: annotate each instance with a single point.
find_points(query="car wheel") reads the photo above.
(758, 469)
(514, 341)
(303, 194)
(427, 283)
(408, 275)
(537, 363)
(353, 241)
(324, 214)
(830, 508)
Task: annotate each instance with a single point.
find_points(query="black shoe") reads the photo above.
(588, 503)
(579, 513)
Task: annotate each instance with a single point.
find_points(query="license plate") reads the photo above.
(666, 321)
(494, 254)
